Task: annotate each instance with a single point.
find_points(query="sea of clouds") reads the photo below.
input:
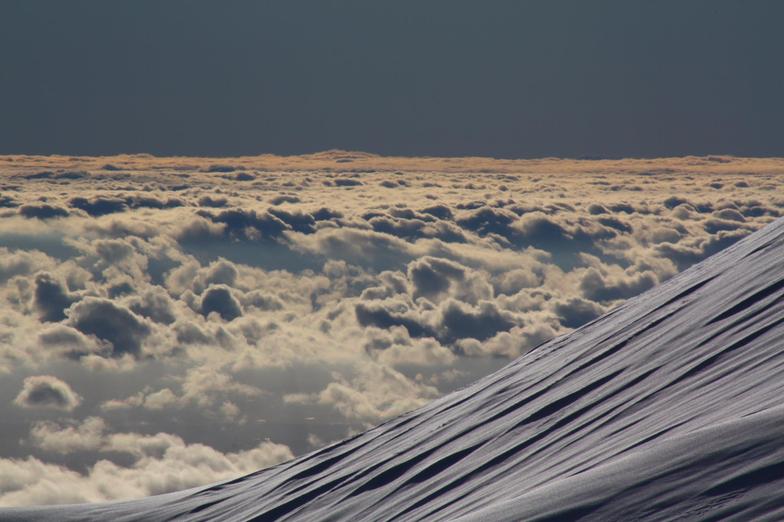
(171, 322)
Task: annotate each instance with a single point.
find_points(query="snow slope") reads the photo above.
(671, 406)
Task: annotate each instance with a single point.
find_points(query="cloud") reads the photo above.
(155, 304)
(47, 391)
(51, 437)
(248, 224)
(98, 206)
(263, 301)
(617, 224)
(508, 345)
(438, 211)
(122, 329)
(42, 211)
(161, 463)
(395, 347)
(68, 342)
(190, 333)
(729, 214)
(459, 320)
(362, 247)
(113, 251)
(213, 202)
(157, 400)
(595, 209)
(297, 221)
(713, 226)
(576, 311)
(389, 313)
(244, 176)
(685, 254)
(514, 281)
(51, 298)
(598, 286)
(431, 277)
(219, 299)
(20, 262)
(486, 220)
(284, 198)
(346, 182)
(374, 393)
(145, 201)
(7, 202)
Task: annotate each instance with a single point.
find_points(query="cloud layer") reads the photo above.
(212, 317)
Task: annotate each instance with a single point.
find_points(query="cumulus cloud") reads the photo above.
(391, 313)
(68, 341)
(602, 286)
(42, 211)
(248, 224)
(122, 329)
(459, 320)
(515, 280)
(161, 463)
(219, 299)
(685, 254)
(576, 311)
(51, 437)
(214, 202)
(21, 262)
(51, 298)
(432, 277)
(362, 247)
(508, 344)
(47, 391)
(7, 202)
(375, 393)
(395, 347)
(155, 304)
(98, 206)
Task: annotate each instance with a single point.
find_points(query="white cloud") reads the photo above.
(162, 462)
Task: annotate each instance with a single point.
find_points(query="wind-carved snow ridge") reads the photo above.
(669, 407)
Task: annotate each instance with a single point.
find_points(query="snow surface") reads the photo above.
(668, 407)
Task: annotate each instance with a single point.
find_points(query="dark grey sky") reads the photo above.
(454, 77)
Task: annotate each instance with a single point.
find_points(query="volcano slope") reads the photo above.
(668, 407)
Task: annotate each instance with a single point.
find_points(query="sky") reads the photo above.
(512, 79)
